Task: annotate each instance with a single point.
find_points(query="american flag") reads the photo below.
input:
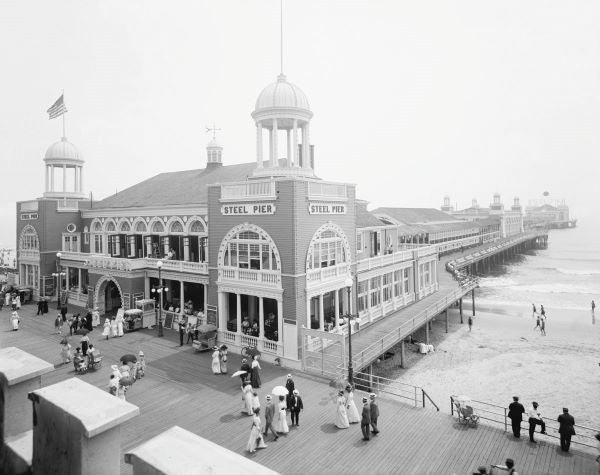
(58, 108)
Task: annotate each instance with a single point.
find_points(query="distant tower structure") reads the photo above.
(496, 206)
(64, 171)
(517, 206)
(447, 207)
(214, 150)
(474, 203)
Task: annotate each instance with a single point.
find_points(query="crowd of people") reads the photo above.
(540, 319)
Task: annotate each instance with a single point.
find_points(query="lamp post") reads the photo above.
(160, 289)
(58, 276)
(348, 282)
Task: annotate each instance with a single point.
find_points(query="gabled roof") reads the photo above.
(188, 187)
(545, 207)
(415, 215)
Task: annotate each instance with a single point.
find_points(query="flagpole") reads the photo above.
(63, 115)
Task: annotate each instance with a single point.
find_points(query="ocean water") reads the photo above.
(565, 278)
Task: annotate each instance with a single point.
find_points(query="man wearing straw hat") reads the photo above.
(374, 413)
(269, 414)
(296, 406)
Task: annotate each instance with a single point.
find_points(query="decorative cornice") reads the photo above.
(200, 210)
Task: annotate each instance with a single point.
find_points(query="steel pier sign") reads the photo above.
(248, 209)
(326, 208)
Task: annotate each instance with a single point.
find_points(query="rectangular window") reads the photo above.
(387, 287)
(397, 283)
(406, 280)
(255, 256)
(363, 290)
(98, 243)
(324, 254)
(233, 255)
(265, 257)
(358, 242)
(374, 291)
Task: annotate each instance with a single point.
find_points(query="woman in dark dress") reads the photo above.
(254, 374)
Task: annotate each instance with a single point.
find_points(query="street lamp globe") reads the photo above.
(348, 282)
(159, 264)
(58, 254)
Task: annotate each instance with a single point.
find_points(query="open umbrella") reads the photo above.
(128, 359)
(280, 391)
(82, 331)
(239, 373)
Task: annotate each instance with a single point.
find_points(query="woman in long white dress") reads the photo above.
(247, 394)
(113, 327)
(280, 422)
(14, 318)
(119, 319)
(106, 330)
(341, 416)
(256, 440)
(95, 317)
(216, 363)
(353, 415)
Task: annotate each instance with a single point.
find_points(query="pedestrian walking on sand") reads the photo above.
(365, 422)
(470, 322)
(542, 311)
(566, 429)
(593, 306)
(535, 418)
(374, 414)
(537, 324)
(515, 412)
(534, 310)
(269, 415)
(296, 407)
(543, 326)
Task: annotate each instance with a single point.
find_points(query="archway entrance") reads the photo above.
(112, 298)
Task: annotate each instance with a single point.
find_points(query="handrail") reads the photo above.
(588, 434)
(425, 395)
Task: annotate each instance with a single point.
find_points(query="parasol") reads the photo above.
(280, 391)
(223, 347)
(128, 358)
(82, 331)
(239, 373)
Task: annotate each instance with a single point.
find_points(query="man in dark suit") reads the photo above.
(566, 429)
(374, 413)
(296, 406)
(365, 423)
(269, 414)
(515, 412)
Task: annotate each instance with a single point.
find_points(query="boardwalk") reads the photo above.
(180, 390)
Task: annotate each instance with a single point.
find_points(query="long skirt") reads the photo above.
(353, 416)
(341, 417)
(216, 364)
(256, 440)
(255, 378)
(120, 328)
(280, 422)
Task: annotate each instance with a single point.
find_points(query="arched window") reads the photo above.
(249, 249)
(110, 227)
(125, 228)
(140, 227)
(328, 247)
(29, 238)
(176, 227)
(158, 227)
(97, 228)
(197, 227)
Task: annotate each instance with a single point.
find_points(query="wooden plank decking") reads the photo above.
(179, 389)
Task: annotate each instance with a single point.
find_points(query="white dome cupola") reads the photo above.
(64, 171)
(214, 150)
(282, 110)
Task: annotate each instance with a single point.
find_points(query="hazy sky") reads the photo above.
(412, 99)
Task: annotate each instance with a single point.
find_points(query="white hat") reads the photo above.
(289, 376)
(141, 353)
(296, 392)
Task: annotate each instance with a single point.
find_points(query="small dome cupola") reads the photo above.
(517, 205)
(447, 207)
(214, 150)
(282, 109)
(64, 171)
(496, 204)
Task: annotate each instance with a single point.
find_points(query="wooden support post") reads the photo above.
(460, 308)
(370, 369)
(473, 298)
(402, 354)
(446, 316)
(427, 333)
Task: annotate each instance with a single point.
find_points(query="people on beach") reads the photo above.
(353, 415)
(269, 416)
(470, 322)
(542, 311)
(256, 440)
(341, 416)
(296, 406)
(593, 306)
(65, 351)
(515, 413)
(113, 328)
(374, 413)
(566, 429)
(537, 323)
(365, 422)
(140, 365)
(120, 319)
(255, 400)
(543, 326)
(534, 310)
(535, 419)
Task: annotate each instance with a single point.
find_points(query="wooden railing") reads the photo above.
(241, 340)
(248, 190)
(267, 278)
(314, 276)
(498, 415)
(385, 260)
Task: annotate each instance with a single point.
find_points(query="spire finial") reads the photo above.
(212, 129)
(281, 32)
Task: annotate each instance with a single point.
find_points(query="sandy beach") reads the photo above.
(503, 356)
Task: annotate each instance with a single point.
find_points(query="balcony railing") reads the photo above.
(266, 278)
(314, 276)
(67, 205)
(241, 340)
(426, 251)
(320, 190)
(384, 260)
(181, 266)
(29, 254)
(28, 206)
(121, 263)
(262, 189)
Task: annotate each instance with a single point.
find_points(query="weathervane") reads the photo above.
(212, 129)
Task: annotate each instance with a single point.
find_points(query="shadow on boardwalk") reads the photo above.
(180, 389)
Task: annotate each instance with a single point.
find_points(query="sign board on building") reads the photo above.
(28, 216)
(211, 314)
(248, 209)
(326, 208)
